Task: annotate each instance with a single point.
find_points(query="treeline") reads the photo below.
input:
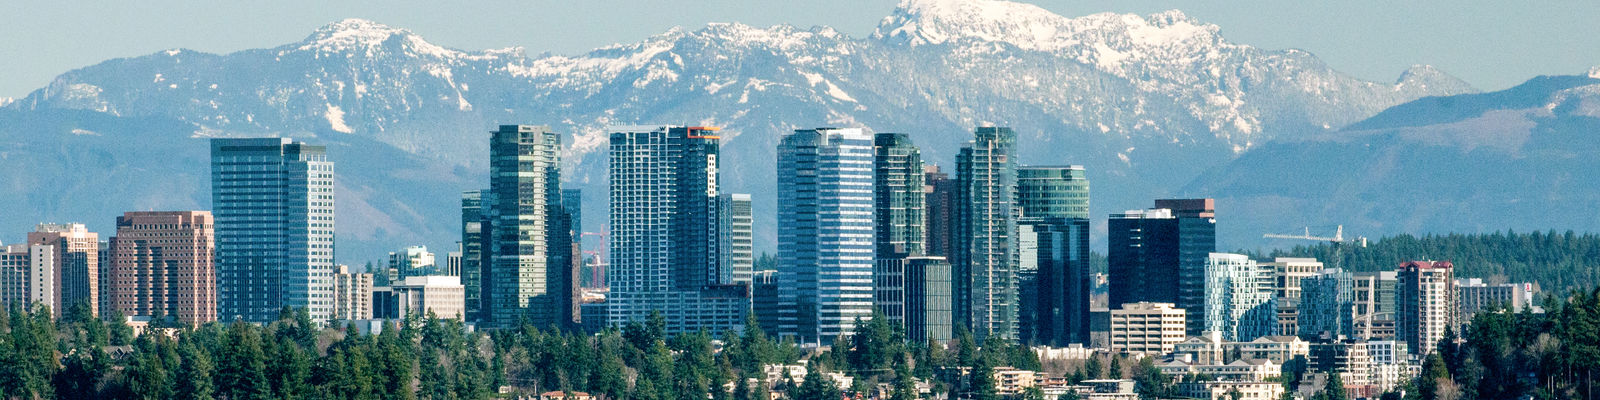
(1558, 262)
(80, 357)
(1503, 355)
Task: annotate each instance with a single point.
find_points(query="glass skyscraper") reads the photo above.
(984, 255)
(666, 241)
(1159, 255)
(825, 232)
(1053, 255)
(529, 271)
(273, 203)
(897, 192)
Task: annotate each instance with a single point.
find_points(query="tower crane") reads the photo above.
(1340, 243)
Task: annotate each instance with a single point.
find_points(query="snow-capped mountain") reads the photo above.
(1145, 102)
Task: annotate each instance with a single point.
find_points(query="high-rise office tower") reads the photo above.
(1326, 306)
(984, 253)
(528, 273)
(1053, 255)
(939, 193)
(77, 264)
(472, 255)
(1159, 255)
(1238, 298)
(915, 292)
(737, 250)
(412, 261)
(666, 231)
(273, 203)
(899, 202)
(825, 232)
(1424, 296)
(161, 263)
(352, 294)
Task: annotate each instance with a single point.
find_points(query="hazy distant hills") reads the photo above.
(1147, 103)
(1525, 158)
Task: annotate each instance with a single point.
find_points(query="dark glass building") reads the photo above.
(915, 291)
(528, 273)
(1159, 255)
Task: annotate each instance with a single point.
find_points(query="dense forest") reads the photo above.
(1500, 355)
(1558, 262)
(79, 357)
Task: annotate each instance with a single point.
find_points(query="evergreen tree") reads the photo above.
(1434, 373)
(1334, 388)
(194, 375)
(120, 334)
(1093, 368)
(80, 374)
(816, 387)
(1116, 367)
(242, 373)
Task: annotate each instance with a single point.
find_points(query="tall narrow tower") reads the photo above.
(529, 272)
(273, 203)
(900, 205)
(984, 256)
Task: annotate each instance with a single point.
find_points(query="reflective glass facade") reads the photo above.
(274, 208)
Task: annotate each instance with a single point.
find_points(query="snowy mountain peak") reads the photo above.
(1594, 72)
(1428, 77)
(5, 101)
(356, 34)
(922, 22)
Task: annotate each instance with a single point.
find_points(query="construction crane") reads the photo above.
(1340, 243)
(597, 269)
(1338, 237)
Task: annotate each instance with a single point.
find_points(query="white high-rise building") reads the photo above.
(670, 249)
(825, 232)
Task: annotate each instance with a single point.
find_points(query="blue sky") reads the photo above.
(1491, 44)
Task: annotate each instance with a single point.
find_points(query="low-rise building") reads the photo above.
(1238, 370)
(440, 294)
(1203, 349)
(1347, 358)
(1012, 381)
(1473, 295)
(1108, 389)
(1224, 390)
(1149, 328)
(1279, 349)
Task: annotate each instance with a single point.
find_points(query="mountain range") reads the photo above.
(1153, 105)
